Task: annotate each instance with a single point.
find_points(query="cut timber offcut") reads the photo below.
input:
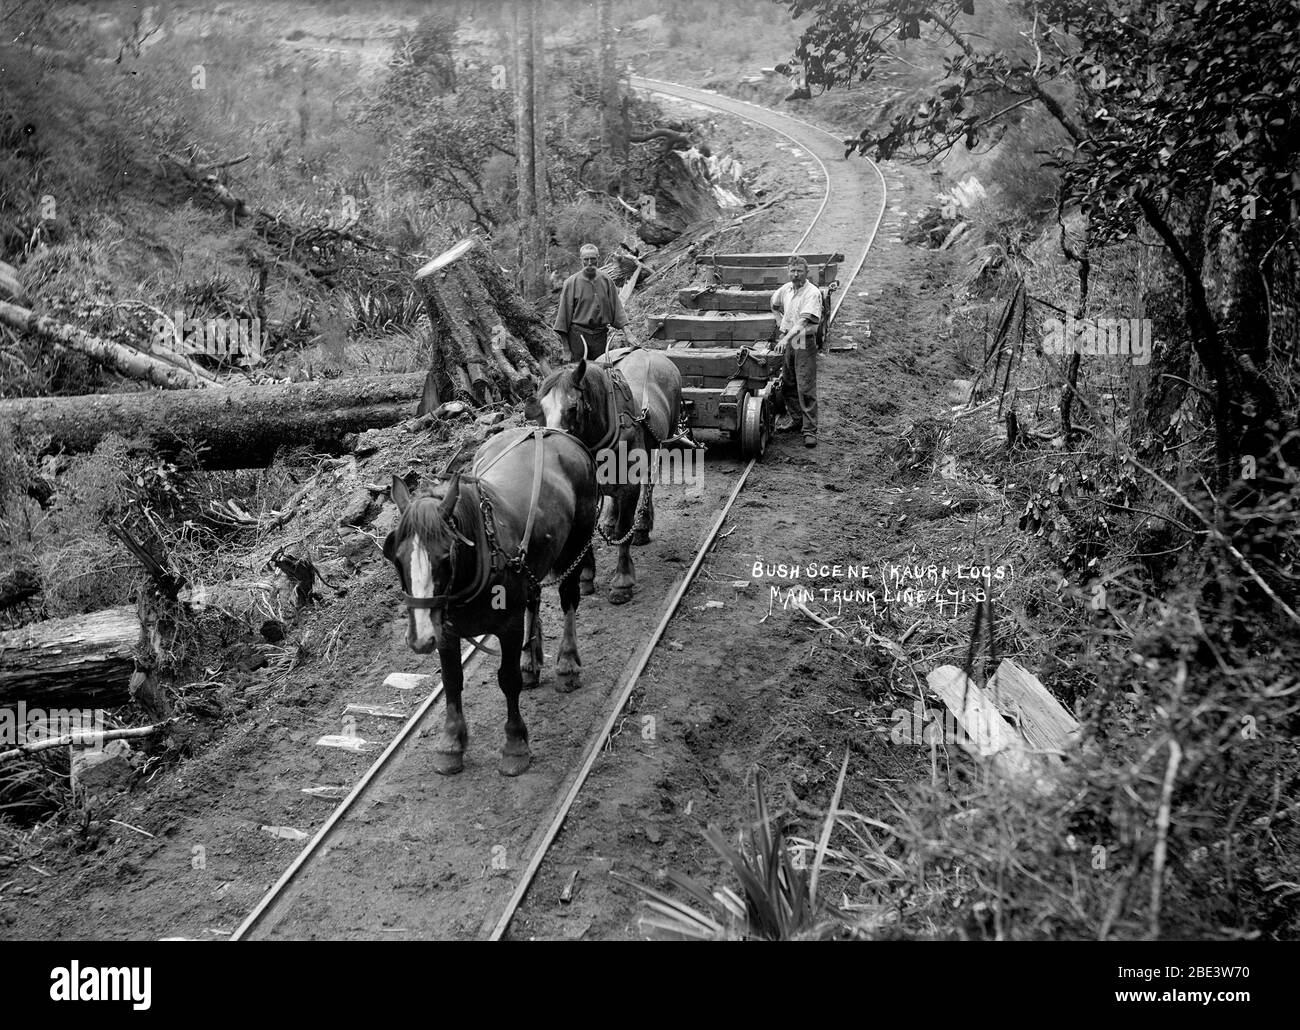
(1043, 721)
(991, 737)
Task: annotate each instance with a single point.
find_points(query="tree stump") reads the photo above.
(486, 343)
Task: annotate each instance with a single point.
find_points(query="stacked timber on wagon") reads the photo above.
(721, 342)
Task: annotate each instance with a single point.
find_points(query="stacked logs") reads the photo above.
(486, 343)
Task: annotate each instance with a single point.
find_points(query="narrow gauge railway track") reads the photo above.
(459, 853)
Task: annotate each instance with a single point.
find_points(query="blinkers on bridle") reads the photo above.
(446, 512)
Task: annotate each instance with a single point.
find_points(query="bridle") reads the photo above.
(458, 539)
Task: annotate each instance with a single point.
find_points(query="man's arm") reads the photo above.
(561, 325)
(778, 299)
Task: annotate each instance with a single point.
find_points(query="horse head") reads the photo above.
(422, 549)
(573, 399)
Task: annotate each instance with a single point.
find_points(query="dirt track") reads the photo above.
(743, 685)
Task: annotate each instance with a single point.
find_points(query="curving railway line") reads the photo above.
(410, 854)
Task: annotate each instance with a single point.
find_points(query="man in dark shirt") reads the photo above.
(589, 308)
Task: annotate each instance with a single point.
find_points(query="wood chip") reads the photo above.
(409, 681)
(284, 832)
(356, 745)
(374, 711)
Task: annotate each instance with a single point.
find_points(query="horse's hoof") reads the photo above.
(587, 587)
(620, 595)
(513, 765)
(448, 763)
(640, 537)
(567, 682)
(531, 682)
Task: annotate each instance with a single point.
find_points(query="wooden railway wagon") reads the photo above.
(721, 343)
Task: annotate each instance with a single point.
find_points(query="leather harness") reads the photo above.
(475, 495)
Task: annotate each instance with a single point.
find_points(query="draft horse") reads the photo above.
(471, 558)
(624, 407)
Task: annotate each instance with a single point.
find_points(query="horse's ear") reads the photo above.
(579, 370)
(449, 501)
(401, 495)
(532, 408)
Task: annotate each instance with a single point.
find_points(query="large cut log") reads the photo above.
(77, 661)
(711, 298)
(177, 374)
(713, 327)
(486, 343)
(241, 427)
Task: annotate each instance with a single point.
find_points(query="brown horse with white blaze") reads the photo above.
(624, 407)
(472, 557)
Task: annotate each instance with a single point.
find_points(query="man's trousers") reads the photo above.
(799, 383)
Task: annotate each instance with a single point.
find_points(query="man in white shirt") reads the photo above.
(798, 304)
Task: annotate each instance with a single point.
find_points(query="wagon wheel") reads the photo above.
(755, 426)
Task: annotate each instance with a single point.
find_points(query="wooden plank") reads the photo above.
(770, 259)
(1022, 698)
(991, 737)
(730, 327)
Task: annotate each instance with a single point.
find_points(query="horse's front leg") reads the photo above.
(620, 587)
(568, 676)
(645, 507)
(449, 751)
(534, 657)
(515, 756)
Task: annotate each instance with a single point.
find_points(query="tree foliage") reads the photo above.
(1156, 102)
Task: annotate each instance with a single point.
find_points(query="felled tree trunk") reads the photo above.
(487, 343)
(127, 360)
(241, 427)
(80, 660)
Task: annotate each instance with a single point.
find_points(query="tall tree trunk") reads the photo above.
(541, 187)
(612, 122)
(537, 30)
(525, 150)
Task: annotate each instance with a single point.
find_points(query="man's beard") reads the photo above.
(589, 271)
